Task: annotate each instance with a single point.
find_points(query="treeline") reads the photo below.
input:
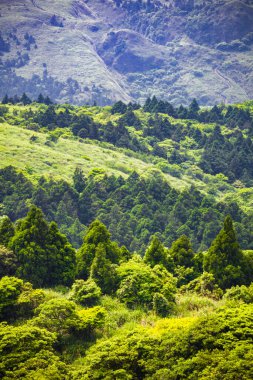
(34, 250)
(25, 100)
(231, 116)
(228, 153)
(133, 209)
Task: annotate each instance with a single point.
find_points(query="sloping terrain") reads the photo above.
(84, 51)
(139, 172)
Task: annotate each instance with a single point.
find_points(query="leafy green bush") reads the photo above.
(87, 293)
(139, 282)
(217, 346)
(10, 289)
(204, 285)
(63, 317)
(240, 293)
(162, 306)
(8, 262)
(26, 352)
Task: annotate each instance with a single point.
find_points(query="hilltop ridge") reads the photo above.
(80, 51)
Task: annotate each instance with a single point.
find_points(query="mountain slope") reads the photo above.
(84, 51)
(140, 173)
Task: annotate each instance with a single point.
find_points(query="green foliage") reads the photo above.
(6, 230)
(44, 254)
(204, 285)
(190, 304)
(139, 282)
(224, 259)
(156, 253)
(8, 262)
(29, 300)
(161, 305)
(87, 293)
(26, 352)
(18, 300)
(119, 107)
(132, 209)
(118, 316)
(96, 241)
(181, 252)
(79, 180)
(240, 293)
(217, 346)
(10, 289)
(121, 357)
(103, 271)
(62, 317)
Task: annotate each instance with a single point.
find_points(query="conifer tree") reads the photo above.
(5, 99)
(182, 253)
(6, 230)
(97, 234)
(25, 100)
(41, 99)
(79, 180)
(155, 253)
(224, 258)
(103, 271)
(45, 256)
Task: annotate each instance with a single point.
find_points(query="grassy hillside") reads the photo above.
(134, 230)
(204, 156)
(59, 159)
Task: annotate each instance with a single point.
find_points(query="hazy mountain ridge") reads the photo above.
(85, 51)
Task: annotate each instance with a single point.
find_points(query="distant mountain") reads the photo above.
(82, 51)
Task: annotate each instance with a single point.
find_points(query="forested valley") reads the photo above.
(126, 240)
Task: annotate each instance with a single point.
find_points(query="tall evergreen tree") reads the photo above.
(5, 99)
(45, 256)
(182, 253)
(97, 235)
(156, 253)
(6, 230)
(79, 180)
(25, 99)
(103, 271)
(40, 99)
(224, 258)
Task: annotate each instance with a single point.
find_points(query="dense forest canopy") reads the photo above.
(126, 274)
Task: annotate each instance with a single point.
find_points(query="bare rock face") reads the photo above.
(85, 51)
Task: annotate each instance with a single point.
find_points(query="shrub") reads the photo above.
(87, 293)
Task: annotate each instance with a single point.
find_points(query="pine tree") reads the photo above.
(61, 258)
(156, 253)
(40, 99)
(44, 254)
(97, 234)
(119, 107)
(79, 180)
(25, 100)
(6, 230)
(182, 253)
(103, 271)
(5, 99)
(224, 258)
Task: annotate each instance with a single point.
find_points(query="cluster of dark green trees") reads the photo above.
(37, 328)
(25, 100)
(232, 116)
(37, 252)
(133, 209)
